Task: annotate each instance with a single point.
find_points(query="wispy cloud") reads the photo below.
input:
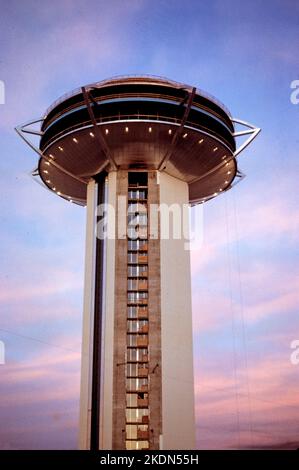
(236, 416)
(40, 399)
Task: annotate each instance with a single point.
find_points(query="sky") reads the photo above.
(245, 276)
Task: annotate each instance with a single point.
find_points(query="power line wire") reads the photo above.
(244, 332)
(232, 320)
(37, 340)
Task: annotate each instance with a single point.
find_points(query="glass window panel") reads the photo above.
(132, 399)
(135, 245)
(131, 431)
(137, 271)
(135, 296)
(137, 194)
(137, 325)
(132, 284)
(142, 445)
(132, 258)
(136, 384)
(138, 355)
(135, 415)
(132, 312)
(133, 326)
(137, 445)
(132, 354)
(132, 340)
(132, 370)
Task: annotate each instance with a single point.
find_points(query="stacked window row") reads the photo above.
(137, 355)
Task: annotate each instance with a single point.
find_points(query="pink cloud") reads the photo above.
(56, 282)
(40, 396)
(53, 375)
(258, 216)
(229, 416)
(264, 295)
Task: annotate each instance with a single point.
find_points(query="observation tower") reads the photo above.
(122, 147)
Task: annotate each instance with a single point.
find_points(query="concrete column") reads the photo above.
(178, 422)
(88, 319)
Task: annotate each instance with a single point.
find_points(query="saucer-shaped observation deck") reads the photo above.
(138, 122)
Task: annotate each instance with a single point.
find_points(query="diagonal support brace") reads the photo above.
(178, 132)
(100, 138)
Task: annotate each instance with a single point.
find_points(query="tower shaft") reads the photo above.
(137, 388)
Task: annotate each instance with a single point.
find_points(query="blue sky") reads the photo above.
(245, 277)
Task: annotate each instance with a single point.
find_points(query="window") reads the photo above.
(137, 271)
(135, 415)
(136, 326)
(137, 296)
(132, 311)
(132, 340)
(137, 384)
(132, 400)
(135, 258)
(132, 258)
(132, 284)
(137, 284)
(137, 445)
(137, 194)
(132, 355)
(132, 370)
(133, 271)
(137, 355)
(137, 245)
(131, 431)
